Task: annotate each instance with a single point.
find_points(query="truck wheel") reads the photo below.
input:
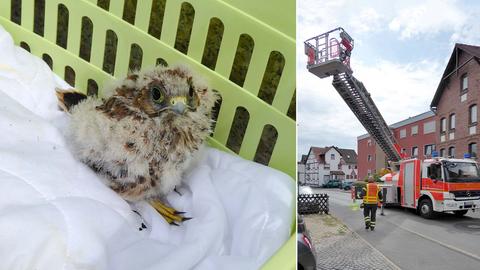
(425, 208)
(460, 213)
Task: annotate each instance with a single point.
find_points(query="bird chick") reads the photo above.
(142, 136)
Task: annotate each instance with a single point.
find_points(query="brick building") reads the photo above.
(450, 127)
(456, 101)
(416, 136)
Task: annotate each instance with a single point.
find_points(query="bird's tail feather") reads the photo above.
(69, 98)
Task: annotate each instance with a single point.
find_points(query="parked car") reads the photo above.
(346, 185)
(305, 248)
(332, 184)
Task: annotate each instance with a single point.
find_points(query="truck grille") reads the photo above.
(466, 193)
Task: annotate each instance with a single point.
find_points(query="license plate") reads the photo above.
(468, 203)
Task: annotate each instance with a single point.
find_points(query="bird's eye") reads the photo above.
(157, 95)
(190, 91)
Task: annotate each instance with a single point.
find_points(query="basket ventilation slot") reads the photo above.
(266, 145)
(242, 59)
(70, 76)
(16, 11)
(184, 29)
(212, 43)
(25, 46)
(129, 10)
(47, 59)
(216, 109)
(110, 53)
(136, 55)
(161, 61)
(237, 130)
(86, 38)
(39, 17)
(62, 26)
(105, 4)
(271, 77)
(156, 18)
(92, 87)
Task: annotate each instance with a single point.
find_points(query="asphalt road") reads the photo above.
(410, 241)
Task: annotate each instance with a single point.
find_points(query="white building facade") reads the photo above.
(326, 163)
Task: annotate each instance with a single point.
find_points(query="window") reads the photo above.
(442, 152)
(332, 156)
(414, 130)
(472, 114)
(429, 149)
(349, 166)
(443, 125)
(464, 83)
(451, 121)
(369, 172)
(472, 149)
(369, 158)
(429, 127)
(451, 152)
(404, 151)
(355, 167)
(414, 151)
(403, 133)
(434, 171)
(369, 142)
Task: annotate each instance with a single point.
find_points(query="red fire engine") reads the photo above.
(432, 185)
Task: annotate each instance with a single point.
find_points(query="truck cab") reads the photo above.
(448, 185)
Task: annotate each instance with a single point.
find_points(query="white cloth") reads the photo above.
(56, 214)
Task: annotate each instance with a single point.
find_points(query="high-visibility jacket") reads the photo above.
(371, 194)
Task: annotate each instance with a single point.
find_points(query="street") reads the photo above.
(409, 241)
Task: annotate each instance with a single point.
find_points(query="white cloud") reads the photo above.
(367, 20)
(427, 19)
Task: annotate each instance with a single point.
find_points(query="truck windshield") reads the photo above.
(461, 172)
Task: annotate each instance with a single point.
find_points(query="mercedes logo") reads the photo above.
(468, 194)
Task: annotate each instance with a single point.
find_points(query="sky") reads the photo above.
(401, 50)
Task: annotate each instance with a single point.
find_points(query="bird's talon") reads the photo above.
(169, 214)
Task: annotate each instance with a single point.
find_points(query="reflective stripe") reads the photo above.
(371, 196)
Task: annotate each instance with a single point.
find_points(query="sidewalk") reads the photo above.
(339, 248)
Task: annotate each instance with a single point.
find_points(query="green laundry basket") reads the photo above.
(148, 32)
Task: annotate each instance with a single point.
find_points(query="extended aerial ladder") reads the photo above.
(329, 55)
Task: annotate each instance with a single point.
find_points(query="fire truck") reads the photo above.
(429, 186)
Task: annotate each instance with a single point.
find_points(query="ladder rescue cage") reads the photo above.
(331, 51)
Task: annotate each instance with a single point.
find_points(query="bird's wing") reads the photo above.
(69, 98)
(115, 107)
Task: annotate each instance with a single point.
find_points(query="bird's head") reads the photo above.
(162, 90)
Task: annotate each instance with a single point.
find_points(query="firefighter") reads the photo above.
(371, 195)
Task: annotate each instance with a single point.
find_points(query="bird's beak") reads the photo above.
(178, 104)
